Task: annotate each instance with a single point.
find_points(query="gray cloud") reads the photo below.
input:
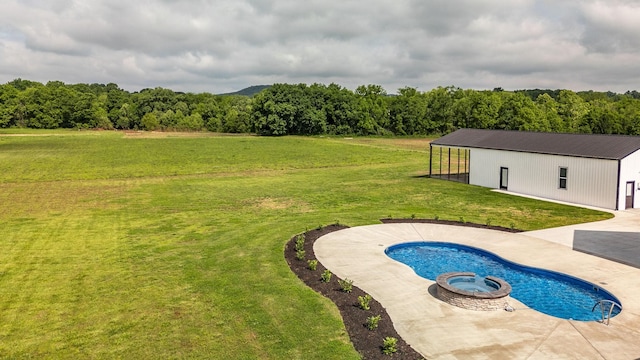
(225, 45)
(612, 27)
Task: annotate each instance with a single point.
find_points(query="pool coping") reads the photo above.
(503, 290)
(442, 331)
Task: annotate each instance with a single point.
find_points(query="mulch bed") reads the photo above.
(450, 222)
(367, 342)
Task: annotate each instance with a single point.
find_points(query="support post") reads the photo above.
(449, 165)
(458, 161)
(465, 165)
(440, 172)
(430, 159)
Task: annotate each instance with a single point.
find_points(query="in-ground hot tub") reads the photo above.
(469, 291)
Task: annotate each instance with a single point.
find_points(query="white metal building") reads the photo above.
(596, 170)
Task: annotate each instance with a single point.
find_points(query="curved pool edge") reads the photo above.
(608, 295)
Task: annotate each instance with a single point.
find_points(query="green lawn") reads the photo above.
(172, 247)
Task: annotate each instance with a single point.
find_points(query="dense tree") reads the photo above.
(633, 94)
(192, 122)
(372, 112)
(572, 109)
(235, 114)
(440, 108)
(168, 120)
(477, 109)
(549, 112)
(290, 109)
(8, 105)
(22, 85)
(116, 98)
(534, 94)
(519, 112)
(601, 119)
(299, 109)
(124, 117)
(37, 108)
(339, 105)
(273, 110)
(82, 110)
(99, 116)
(150, 121)
(628, 109)
(408, 113)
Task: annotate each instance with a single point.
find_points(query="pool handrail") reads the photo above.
(601, 303)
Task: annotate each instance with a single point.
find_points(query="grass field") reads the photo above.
(141, 247)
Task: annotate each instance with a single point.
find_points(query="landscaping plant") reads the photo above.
(372, 322)
(346, 285)
(364, 301)
(389, 345)
(312, 264)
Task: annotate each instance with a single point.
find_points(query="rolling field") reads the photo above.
(141, 247)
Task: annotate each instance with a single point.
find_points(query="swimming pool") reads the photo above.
(549, 292)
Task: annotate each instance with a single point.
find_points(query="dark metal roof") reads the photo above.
(614, 147)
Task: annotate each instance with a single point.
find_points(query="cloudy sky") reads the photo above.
(225, 45)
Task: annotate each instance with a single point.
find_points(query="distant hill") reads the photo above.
(250, 91)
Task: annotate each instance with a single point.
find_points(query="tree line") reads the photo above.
(30, 104)
(317, 109)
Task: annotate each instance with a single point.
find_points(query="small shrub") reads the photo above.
(300, 254)
(312, 264)
(462, 219)
(300, 242)
(389, 345)
(512, 226)
(372, 322)
(436, 218)
(326, 276)
(488, 222)
(413, 216)
(346, 285)
(364, 302)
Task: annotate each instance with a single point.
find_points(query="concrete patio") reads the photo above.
(441, 331)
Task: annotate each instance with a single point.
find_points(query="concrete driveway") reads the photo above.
(616, 239)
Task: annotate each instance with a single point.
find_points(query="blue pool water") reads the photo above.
(473, 283)
(549, 292)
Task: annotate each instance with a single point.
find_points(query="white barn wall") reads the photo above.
(589, 181)
(629, 172)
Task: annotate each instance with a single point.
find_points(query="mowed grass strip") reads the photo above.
(117, 247)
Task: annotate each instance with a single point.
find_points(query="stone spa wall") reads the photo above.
(472, 300)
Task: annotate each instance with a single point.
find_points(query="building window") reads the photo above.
(563, 178)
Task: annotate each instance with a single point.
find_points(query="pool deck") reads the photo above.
(441, 331)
